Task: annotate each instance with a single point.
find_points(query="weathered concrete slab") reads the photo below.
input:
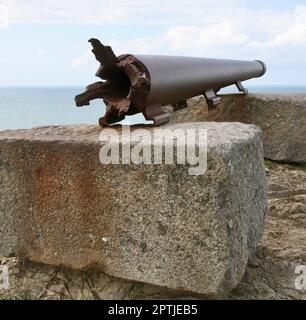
(149, 223)
(281, 117)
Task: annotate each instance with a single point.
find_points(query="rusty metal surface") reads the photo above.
(144, 83)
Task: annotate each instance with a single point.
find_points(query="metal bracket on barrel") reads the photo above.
(212, 99)
(241, 88)
(156, 114)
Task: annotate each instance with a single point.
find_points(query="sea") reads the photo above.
(27, 107)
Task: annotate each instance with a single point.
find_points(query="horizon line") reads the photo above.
(80, 85)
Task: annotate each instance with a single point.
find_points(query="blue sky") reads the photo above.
(45, 42)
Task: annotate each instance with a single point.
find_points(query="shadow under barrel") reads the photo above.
(144, 83)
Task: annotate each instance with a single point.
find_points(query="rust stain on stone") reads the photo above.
(69, 204)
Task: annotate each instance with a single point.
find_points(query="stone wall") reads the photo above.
(282, 118)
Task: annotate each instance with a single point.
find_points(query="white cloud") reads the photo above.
(179, 40)
(4, 15)
(155, 12)
(294, 34)
(220, 34)
(189, 23)
(82, 60)
(68, 11)
(242, 34)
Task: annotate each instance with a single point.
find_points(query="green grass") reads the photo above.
(301, 166)
(23, 296)
(2, 297)
(297, 166)
(269, 163)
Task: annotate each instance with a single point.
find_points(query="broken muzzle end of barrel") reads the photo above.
(125, 89)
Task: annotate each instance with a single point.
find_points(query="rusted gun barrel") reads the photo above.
(145, 83)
